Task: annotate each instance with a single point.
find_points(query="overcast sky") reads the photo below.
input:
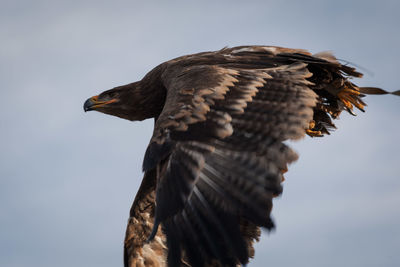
(68, 178)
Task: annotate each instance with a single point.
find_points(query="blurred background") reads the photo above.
(67, 179)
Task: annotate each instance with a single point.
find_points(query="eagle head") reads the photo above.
(129, 102)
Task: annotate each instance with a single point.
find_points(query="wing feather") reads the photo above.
(225, 127)
(217, 155)
(218, 145)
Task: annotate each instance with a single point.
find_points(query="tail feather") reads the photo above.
(377, 91)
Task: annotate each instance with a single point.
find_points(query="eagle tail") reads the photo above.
(377, 91)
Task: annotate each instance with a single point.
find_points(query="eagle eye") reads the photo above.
(109, 94)
(112, 94)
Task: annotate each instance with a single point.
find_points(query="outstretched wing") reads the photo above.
(219, 155)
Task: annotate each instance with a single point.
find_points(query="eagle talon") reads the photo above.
(311, 132)
(314, 133)
(350, 97)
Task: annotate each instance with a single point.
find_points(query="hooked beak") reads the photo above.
(93, 103)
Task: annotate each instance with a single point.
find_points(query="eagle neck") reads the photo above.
(152, 94)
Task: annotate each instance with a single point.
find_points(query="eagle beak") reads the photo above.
(90, 103)
(93, 103)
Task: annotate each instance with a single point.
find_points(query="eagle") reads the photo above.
(218, 154)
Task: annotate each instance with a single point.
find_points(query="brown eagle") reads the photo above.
(217, 155)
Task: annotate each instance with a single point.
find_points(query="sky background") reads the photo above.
(67, 179)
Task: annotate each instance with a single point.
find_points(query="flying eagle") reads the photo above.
(217, 155)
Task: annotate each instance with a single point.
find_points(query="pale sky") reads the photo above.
(68, 179)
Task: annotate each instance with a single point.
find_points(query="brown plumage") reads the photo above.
(216, 158)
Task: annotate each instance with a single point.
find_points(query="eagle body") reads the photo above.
(217, 155)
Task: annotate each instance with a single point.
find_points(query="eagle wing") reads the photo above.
(219, 155)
